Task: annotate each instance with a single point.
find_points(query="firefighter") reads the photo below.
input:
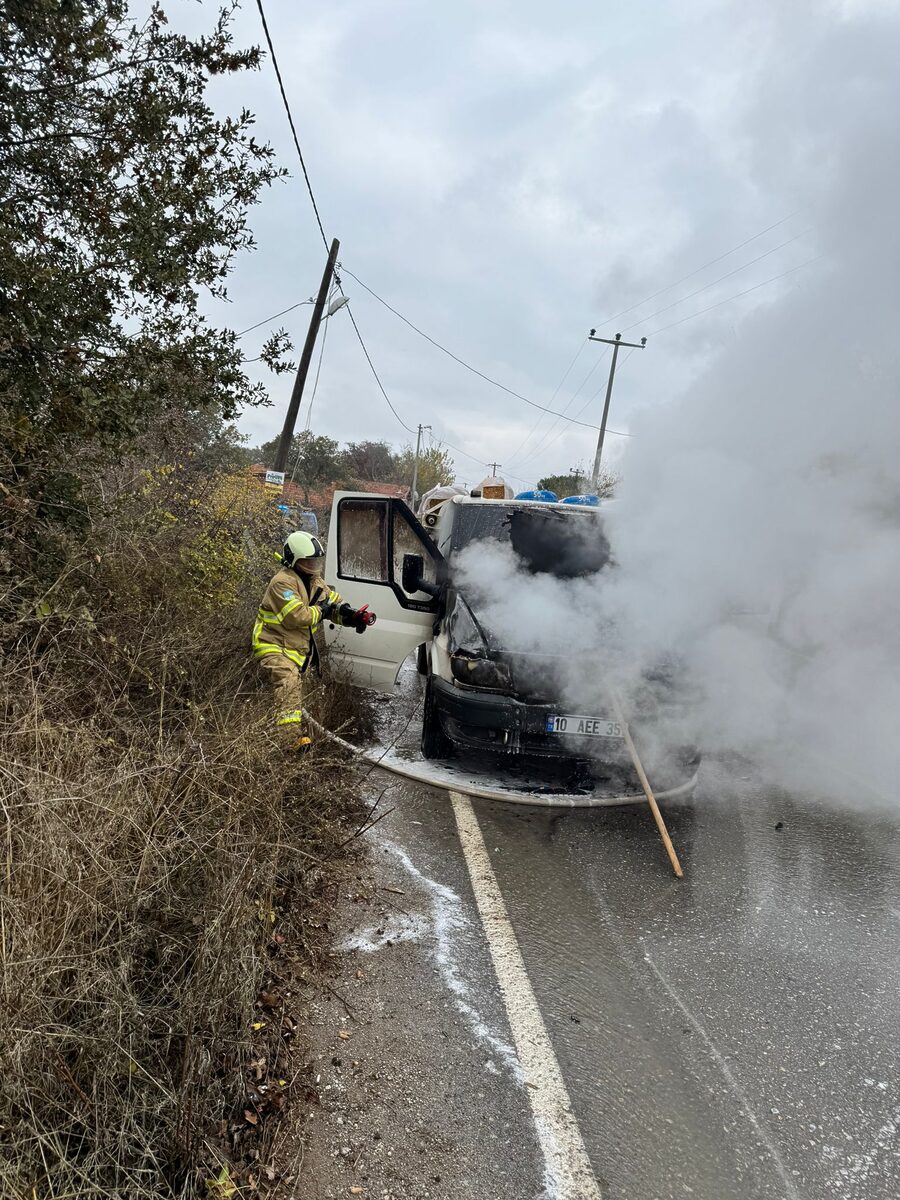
(296, 601)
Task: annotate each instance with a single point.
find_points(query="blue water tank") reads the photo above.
(542, 494)
(584, 501)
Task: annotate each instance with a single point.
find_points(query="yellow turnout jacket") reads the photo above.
(289, 614)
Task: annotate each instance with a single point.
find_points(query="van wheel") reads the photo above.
(435, 743)
(422, 658)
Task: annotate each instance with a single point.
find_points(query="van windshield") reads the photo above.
(546, 540)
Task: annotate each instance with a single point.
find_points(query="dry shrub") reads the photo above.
(151, 831)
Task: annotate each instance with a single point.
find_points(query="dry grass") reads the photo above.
(152, 832)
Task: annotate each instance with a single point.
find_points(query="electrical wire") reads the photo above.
(531, 432)
(465, 453)
(375, 373)
(312, 398)
(737, 296)
(682, 320)
(707, 286)
(712, 262)
(462, 362)
(543, 440)
(290, 117)
(590, 400)
(274, 317)
(312, 197)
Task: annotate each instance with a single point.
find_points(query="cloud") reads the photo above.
(510, 175)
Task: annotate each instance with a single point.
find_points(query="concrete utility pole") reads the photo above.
(495, 467)
(415, 478)
(615, 343)
(290, 420)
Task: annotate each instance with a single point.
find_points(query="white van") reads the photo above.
(481, 694)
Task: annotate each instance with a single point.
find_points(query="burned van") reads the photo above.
(491, 685)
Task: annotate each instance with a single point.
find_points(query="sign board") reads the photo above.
(274, 484)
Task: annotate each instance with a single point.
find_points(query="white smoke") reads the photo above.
(757, 529)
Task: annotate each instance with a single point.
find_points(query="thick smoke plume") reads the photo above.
(757, 529)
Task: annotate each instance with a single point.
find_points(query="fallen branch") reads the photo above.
(645, 784)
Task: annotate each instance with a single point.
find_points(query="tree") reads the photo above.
(435, 467)
(576, 483)
(368, 460)
(313, 459)
(124, 198)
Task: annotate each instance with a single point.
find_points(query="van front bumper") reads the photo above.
(491, 721)
(488, 721)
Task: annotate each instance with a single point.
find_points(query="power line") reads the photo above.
(589, 400)
(712, 262)
(543, 439)
(290, 117)
(462, 362)
(274, 317)
(312, 398)
(312, 197)
(375, 373)
(682, 320)
(707, 286)
(737, 296)
(465, 453)
(531, 432)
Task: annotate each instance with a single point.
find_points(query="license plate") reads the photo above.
(584, 726)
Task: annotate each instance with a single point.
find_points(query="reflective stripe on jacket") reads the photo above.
(289, 614)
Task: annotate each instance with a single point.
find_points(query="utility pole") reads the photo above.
(415, 478)
(293, 408)
(615, 343)
(495, 467)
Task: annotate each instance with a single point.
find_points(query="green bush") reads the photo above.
(149, 824)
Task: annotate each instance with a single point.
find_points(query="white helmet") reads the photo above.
(303, 548)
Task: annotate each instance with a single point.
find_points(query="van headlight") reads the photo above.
(476, 671)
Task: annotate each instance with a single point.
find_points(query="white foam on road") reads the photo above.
(447, 776)
(853, 1177)
(568, 1174)
(389, 933)
(448, 922)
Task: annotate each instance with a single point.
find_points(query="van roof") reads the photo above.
(567, 508)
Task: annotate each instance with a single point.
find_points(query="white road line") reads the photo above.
(568, 1174)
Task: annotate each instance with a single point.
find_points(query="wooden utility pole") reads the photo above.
(615, 343)
(290, 420)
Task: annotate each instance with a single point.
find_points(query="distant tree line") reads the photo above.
(575, 483)
(316, 460)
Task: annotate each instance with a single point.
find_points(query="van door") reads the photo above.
(369, 539)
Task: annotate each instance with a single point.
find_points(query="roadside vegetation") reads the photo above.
(320, 465)
(153, 836)
(576, 483)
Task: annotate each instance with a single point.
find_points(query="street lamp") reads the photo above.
(336, 305)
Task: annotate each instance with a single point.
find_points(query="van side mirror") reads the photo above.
(413, 571)
(412, 578)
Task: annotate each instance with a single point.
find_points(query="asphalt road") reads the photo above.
(731, 1036)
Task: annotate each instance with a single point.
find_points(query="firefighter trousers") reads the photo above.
(284, 677)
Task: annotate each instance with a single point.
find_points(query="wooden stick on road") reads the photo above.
(645, 784)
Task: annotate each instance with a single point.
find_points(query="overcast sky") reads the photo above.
(509, 175)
